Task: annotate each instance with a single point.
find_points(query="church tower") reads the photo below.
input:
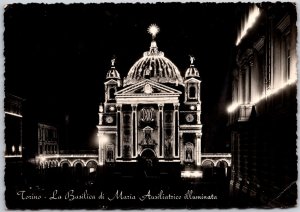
(107, 116)
(191, 128)
(113, 81)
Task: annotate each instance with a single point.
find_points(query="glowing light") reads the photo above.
(14, 114)
(42, 158)
(192, 107)
(231, 108)
(153, 29)
(20, 148)
(101, 109)
(112, 108)
(13, 148)
(248, 23)
(103, 139)
(191, 174)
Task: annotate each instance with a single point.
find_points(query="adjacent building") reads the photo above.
(262, 116)
(13, 126)
(47, 139)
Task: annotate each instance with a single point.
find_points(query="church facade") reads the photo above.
(152, 113)
(150, 118)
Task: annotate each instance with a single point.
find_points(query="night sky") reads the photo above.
(57, 56)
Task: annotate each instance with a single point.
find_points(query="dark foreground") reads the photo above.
(54, 188)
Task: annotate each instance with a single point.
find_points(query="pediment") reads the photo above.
(192, 80)
(111, 81)
(147, 87)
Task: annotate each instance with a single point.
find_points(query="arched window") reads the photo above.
(112, 93)
(110, 153)
(189, 152)
(192, 92)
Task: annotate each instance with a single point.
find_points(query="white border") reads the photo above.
(2, 162)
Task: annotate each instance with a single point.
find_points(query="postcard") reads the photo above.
(150, 105)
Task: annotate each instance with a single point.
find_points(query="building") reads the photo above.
(152, 117)
(14, 169)
(13, 126)
(47, 139)
(153, 114)
(262, 116)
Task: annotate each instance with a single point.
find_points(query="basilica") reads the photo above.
(152, 113)
(149, 118)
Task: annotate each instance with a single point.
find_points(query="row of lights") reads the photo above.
(269, 93)
(191, 174)
(248, 23)
(13, 148)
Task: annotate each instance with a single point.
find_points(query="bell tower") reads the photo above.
(113, 81)
(192, 84)
(191, 128)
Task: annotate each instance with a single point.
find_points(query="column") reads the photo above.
(247, 86)
(176, 125)
(181, 147)
(161, 130)
(198, 113)
(240, 87)
(134, 129)
(100, 149)
(120, 131)
(198, 149)
(100, 114)
(251, 83)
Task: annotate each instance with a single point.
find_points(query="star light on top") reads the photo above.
(153, 29)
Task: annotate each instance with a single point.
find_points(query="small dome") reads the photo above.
(155, 66)
(192, 71)
(113, 73)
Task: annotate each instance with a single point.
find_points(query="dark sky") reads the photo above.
(57, 56)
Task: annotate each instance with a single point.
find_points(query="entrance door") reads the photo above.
(149, 162)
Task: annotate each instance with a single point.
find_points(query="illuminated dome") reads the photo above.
(154, 66)
(113, 73)
(192, 71)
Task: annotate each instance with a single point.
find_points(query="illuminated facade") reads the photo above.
(153, 113)
(47, 139)
(13, 126)
(151, 116)
(262, 116)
